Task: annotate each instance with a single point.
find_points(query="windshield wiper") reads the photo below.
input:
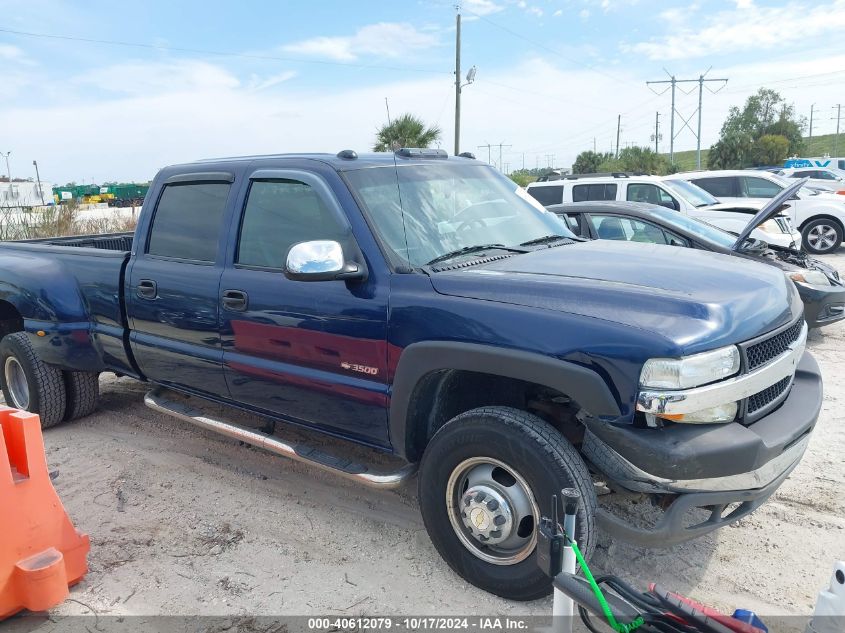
(545, 239)
(473, 249)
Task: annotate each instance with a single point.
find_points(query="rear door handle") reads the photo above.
(235, 300)
(147, 289)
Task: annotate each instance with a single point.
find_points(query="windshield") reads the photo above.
(422, 212)
(694, 194)
(707, 232)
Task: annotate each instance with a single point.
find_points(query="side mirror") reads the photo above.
(321, 260)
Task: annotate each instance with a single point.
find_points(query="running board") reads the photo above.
(299, 452)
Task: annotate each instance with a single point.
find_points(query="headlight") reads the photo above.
(690, 371)
(770, 226)
(813, 277)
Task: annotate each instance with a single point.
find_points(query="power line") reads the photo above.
(548, 49)
(179, 49)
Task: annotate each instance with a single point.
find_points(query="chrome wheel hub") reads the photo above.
(822, 237)
(492, 510)
(487, 514)
(16, 383)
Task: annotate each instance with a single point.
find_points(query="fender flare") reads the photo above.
(418, 360)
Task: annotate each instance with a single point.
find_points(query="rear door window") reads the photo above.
(552, 194)
(575, 222)
(187, 221)
(759, 187)
(595, 191)
(651, 194)
(724, 187)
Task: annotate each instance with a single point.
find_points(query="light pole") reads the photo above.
(8, 172)
(38, 179)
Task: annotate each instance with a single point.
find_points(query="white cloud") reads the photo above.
(184, 76)
(11, 53)
(744, 4)
(257, 83)
(584, 14)
(536, 11)
(739, 29)
(388, 39)
(558, 13)
(482, 7)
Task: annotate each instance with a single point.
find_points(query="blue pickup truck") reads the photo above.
(424, 306)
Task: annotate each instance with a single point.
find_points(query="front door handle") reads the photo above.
(147, 289)
(235, 300)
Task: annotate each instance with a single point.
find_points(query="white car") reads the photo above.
(819, 216)
(820, 177)
(679, 195)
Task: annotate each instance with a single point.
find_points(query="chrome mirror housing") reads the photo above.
(320, 260)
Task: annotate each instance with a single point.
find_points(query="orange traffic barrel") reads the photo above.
(41, 553)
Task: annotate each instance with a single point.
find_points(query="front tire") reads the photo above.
(821, 236)
(30, 384)
(486, 478)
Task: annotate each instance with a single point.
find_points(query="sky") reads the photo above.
(101, 91)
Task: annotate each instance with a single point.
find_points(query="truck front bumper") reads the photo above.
(706, 466)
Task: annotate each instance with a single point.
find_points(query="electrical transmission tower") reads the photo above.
(673, 83)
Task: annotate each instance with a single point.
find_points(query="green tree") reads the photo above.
(770, 149)
(637, 159)
(589, 162)
(405, 131)
(764, 114)
(522, 177)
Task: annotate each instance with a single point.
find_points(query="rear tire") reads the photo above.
(83, 391)
(28, 383)
(513, 457)
(821, 236)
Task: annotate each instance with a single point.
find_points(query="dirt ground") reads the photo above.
(184, 522)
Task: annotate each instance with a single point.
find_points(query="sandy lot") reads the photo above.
(185, 522)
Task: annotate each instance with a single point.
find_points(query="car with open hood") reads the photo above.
(819, 284)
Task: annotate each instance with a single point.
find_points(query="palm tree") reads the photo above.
(406, 131)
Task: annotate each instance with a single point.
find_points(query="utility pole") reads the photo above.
(523, 161)
(8, 172)
(618, 129)
(673, 82)
(656, 135)
(594, 145)
(812, 107)
(489, 157)
(501, 145)
(458, 82)
(550, 160)
(38, 180)
(835, 138)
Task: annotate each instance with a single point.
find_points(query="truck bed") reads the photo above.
(103, 241)
(83, 277)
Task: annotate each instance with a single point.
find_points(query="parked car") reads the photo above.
(823, 178)
(422, 305)
(818, 284)
(672, 194)
(820, 217)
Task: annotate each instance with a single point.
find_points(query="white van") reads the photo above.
(679, 195)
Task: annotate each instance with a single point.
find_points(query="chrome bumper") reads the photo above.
(724, 391)
(634, 478)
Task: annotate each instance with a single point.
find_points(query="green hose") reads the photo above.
(611, 620)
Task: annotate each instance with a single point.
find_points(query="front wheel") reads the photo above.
(486, 478)
(821, 236)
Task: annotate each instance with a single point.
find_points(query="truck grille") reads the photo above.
(761, 353)
(760, 400)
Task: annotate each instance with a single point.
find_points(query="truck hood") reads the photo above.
(696, 299)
